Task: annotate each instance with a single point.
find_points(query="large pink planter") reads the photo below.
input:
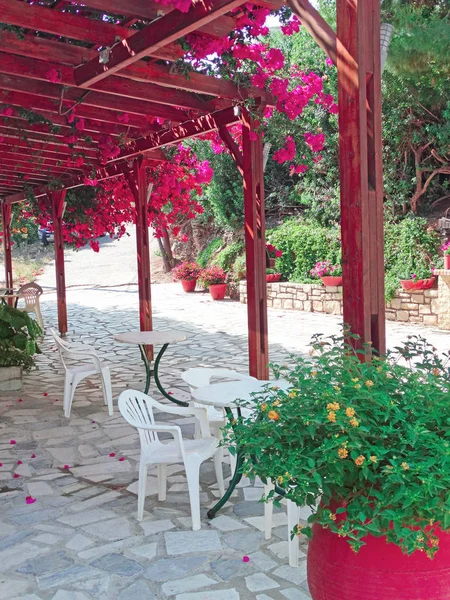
(218, 291)
(417, 284)
(331, 281)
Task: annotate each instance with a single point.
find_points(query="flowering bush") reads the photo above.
(273, 252)
(421, 272)
(186, 271)
(365, 445)
(324, 268)
(212, 276)
(446, 248)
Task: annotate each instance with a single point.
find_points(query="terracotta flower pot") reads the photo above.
(379, 571)
(189, 284)
(417, 284)
(218, 291)
(446, 261)
(273, 277)
(331, 281)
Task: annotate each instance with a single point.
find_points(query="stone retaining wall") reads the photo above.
(422, 307)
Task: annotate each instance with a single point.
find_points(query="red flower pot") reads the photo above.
(379, 571)
(331, 281)
(417, 284)
(217, 291)
(446, 261)
(273, 277)
(189, 284)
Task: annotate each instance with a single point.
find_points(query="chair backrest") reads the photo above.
(30, 292)
(137, 409)
(201, 376)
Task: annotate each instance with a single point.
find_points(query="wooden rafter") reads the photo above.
(152, 38)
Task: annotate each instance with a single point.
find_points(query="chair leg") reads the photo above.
(268, 512)
(39, 319)
(218, 459)
(193, 479)
(162, 483)
(107, 390)
(68, 395)
(292, 515)
(142, 487)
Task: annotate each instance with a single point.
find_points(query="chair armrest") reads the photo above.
(174, 430)
(74, 354)
(200, 413)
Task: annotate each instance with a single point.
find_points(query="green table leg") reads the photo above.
(149, 372)
(237, 475)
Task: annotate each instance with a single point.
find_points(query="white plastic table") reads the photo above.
(153, 338)
(227, 395)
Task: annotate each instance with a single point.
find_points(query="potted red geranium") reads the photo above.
(214, 278)
(272, 253)
(187, 273)
(446, 250)
(421, 279)
(272, 276)
(330, 275)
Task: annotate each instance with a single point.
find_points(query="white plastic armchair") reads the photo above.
(90, 365)
(137, 409)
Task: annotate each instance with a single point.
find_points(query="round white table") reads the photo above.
(153, 338)
(227, 395)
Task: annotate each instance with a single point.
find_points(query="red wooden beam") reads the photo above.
(44, 166)
(316, 25)
(359, 81)
(233, 148)
(255, 247)
(61, 151)
(168, 29)
(137, 183)
(6, 226)
(75, 27)
(98, 100)
(57, 200)
(33, 68)
(193, 128)
(164, 75)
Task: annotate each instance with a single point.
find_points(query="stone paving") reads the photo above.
(80, 539)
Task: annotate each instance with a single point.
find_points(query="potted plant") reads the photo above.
(18, 345)
(329, 274)
(446, 250)
(365, 445)
(272, 276)
(187, 273)
(272, 254)
(214, 278)
(421, 279)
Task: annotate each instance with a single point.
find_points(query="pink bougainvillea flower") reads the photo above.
(245, 559)
(123, 117)
(6, 112)
(12, 441)
(66, 466)
(90, 182)
(170, 393)
(20, 400)
(45, 393)
(121, 459)
(112, 455)
(19, 462)
(329, 62)
(253, 136)
(95, 246)
(16, 475)
(30, 500)
(33, 456)
(53, 76)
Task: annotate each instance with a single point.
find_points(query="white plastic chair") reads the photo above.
(74, 374)
(137, 408)
(293, 516)
(202, 376)
(30, 293)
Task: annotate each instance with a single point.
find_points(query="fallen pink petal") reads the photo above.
(16, 475)
(121, 459)
(45, 393)
(245, 559)
(33, 456)
(19, 462)
(30, 500)
(66, 466)
(112, 455)
(12, 442)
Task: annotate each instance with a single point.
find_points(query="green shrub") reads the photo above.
(239, 268)
(18, 338)
(205, 256)
(303, 244)
(226, 257)
(410, 246)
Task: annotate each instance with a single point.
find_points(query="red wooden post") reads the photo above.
(137, 182)
(6, 222)
(255, 249)
(359, 78)
(57, 200)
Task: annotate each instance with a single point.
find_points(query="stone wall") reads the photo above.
(423, 307)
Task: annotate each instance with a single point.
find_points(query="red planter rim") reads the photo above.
(331, 281)
(417, 284)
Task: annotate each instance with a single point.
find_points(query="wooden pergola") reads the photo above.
(135, 75)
